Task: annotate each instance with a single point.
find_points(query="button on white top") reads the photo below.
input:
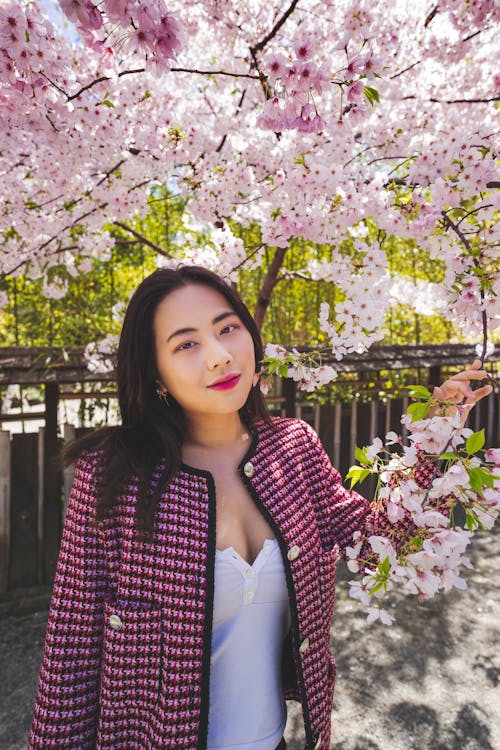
(250, 620)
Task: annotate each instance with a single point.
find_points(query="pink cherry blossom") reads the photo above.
(82, 12)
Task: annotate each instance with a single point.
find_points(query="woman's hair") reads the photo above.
(152, 431)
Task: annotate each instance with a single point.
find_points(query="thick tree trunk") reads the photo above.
(267, 287)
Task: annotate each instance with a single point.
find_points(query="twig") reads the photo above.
(143, 239)
(277, 26)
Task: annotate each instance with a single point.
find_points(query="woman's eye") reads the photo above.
(229, 328)
(185, 346)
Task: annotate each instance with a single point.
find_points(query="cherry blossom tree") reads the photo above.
(308, 119)
(333, 121)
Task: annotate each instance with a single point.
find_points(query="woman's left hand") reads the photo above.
(457, 390)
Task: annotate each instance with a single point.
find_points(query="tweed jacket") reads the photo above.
(126, 663)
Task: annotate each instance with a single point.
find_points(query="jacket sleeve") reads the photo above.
(343, 511)
(67, 701)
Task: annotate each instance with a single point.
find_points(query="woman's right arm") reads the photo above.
(67, 701)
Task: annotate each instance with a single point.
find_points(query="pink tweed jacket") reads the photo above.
(126, 662)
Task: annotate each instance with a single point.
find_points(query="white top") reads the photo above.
(251, 618)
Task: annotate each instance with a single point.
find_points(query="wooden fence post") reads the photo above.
(52, 515)
(288, 391)
(69, 433)
(4, 509)
(39, 531)
(337, 424)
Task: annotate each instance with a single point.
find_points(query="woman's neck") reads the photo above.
(216, 432)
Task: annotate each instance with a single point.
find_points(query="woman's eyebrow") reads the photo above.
(217, 319)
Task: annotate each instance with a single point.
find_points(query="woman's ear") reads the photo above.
(256, 379)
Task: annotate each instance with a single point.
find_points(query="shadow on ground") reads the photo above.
(429, 682)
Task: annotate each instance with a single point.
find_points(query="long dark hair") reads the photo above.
(152, 432)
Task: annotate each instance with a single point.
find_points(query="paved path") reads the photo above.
(430, 682)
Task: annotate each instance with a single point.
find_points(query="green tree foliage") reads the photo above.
(88, 311)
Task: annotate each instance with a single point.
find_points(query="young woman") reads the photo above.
(195, 585)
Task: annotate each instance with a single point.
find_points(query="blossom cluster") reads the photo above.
(296, 80)
(91, 126)
(129, 27)
(432, 495)
(100, 357)
(297, 366)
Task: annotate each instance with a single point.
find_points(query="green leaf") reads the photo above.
(384, 566)
(418, 411)
(357, 474)
(283, 371)
(475, 442)
(487, 478)
(371, 94)
(471, 520)
(449, 455)
(419, 391)
(378, 586)
(360, 455)
(475, 479)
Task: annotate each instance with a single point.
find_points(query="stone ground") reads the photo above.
(429, 682)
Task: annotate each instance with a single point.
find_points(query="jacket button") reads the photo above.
(293, 553)
(115, 622)
(317, 741)
(304, 645)
(249, 469)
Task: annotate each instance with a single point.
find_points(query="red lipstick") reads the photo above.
(225, 384)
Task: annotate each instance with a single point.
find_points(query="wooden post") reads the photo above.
(373, 419)
(289, 391)
(387, 416)
(40, 516)
(435, 375)
(336, 434)
(404, 430)
(354, 428)
(68, 471)
(4, 509)
(52, 521)
(317, 416)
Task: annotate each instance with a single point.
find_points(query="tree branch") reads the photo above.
(102, 79)
(270, 282)
(484, 318)
(215, 73)
(277, 26)
(456, 101)
(143, 239)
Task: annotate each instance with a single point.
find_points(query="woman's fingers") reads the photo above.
(457, 389)
(475, 372)
(479, 393)
(453, 390)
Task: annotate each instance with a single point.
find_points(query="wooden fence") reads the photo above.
(34, 490)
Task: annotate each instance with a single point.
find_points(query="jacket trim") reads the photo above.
(209, 607)
(293, 608)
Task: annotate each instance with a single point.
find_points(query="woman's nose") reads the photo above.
(217, 355)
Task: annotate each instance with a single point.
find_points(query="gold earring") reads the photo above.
(163, 396)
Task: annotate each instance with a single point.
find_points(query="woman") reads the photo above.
(195, 584)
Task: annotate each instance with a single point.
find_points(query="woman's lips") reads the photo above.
(226, 384)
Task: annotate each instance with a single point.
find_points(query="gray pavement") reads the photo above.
(429, 682)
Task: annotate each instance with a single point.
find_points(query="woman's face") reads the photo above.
(200, 341)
